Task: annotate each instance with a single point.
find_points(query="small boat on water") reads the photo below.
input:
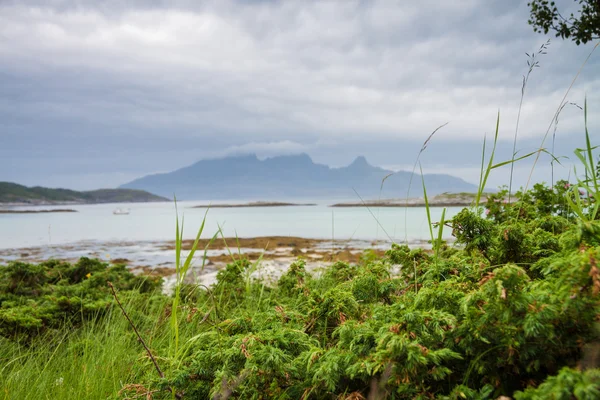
(121, 211)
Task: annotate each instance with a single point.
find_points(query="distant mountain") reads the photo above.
(15, 193)
(285, 177)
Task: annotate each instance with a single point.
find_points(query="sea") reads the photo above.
(144, 237)
(157, 221)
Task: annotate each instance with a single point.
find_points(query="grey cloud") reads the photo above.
(190, 79)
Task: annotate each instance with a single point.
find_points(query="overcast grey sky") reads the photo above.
(96, 93)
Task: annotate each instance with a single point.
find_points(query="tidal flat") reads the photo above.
(272, 254)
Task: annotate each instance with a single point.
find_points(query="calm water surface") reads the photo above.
(156, 221)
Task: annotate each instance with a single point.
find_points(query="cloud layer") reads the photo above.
(93, 93)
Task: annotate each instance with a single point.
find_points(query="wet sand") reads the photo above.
(273, 254)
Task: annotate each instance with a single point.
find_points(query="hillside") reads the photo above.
(289, 177)
(15, 193)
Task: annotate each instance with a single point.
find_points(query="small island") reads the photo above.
(58, 210)
(255, 204)
(15, 194)
(441, 200)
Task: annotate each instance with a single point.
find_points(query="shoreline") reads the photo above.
(256, 204)
(405, 204)
(441, 200)
(73, 203)
(157, 258)
(60, 210)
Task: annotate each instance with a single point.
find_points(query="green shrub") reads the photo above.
(35, 298)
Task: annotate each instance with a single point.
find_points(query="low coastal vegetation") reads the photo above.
(13, 193)
(513, 310)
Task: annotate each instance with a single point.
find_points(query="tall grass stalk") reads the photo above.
(435, 243)
(180, 273)
(587, 208)
(373, 215)
(440, 234)
(412, 174)
(562, 101)
(532, 63)
(555, 159)
(379, 201)
(427, 207)
(220, 230)
(485, 171)
(332, 235)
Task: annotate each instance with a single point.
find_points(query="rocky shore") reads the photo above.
(273, 254)
(442, 200)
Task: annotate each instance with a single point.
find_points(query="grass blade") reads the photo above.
(423, 147)
(188, 260)
(438, 244)
(483, 179)
(589, 148)
(514, 160)
(427, 206)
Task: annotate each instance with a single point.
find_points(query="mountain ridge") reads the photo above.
(245, 176)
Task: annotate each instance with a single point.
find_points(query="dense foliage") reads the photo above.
(42, 297)
(582, 28)
(515, 305)
(511, 310)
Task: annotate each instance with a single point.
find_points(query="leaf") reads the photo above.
(426, 205)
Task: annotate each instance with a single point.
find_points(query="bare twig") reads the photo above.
(160, 373)
(114, 293)
(373, 215)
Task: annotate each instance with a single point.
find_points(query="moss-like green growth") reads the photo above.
(36, 298)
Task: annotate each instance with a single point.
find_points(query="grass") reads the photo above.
(94, 361)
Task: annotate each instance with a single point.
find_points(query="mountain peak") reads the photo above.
(360, 161)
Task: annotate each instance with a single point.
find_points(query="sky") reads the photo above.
(97, 93)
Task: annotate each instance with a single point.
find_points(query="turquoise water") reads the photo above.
(156, 221)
